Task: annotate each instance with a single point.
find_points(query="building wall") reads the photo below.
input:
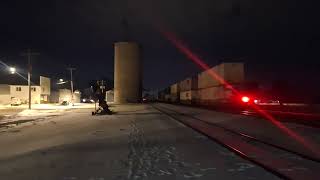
(45, 85)
(54, 97)
(76, 97)
(110, 96)
(4, 89)
(5, 94)
(65, 95)
(5, 99)
(45, 89)
(23, 95)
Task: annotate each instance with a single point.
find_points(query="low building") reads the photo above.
(20, 92)
(5, 97)
(65, 95)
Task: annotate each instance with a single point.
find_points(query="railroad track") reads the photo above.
(294, 165)
(307, 119)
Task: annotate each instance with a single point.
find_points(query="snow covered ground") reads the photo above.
(138, 142)
(37, 113)
(49, 106)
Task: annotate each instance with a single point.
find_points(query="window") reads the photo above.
(18, 88)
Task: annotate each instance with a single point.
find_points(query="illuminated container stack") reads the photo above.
(188, 90)
(212, 91)
(175, 93)
(127, 73)
(204, 89)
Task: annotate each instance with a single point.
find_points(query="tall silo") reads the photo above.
(127, 73)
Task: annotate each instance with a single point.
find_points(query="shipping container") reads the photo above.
(174, 89)
(232, 73)
(213, 95)
(174, 93)
(188, 97)
(189, 84)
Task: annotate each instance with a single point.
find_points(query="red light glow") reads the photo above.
(186, 51)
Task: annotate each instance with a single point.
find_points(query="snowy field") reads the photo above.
(138, 142)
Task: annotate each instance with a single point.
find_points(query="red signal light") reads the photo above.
(245, 99)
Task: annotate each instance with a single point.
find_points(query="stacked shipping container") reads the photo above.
(211, 90)
(188, 90)
(205, 89)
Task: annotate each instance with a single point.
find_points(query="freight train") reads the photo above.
(222, 85)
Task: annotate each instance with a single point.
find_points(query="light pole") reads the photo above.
(71, 83)
(29, 78)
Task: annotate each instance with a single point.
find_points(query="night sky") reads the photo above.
(277, 39)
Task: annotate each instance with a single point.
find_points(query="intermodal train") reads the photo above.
(223, 84)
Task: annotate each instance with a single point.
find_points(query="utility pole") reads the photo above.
(71, 82)
(29, 55)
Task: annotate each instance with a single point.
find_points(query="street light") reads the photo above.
(61, 81)
(12, 70)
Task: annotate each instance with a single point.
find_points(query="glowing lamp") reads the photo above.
(12, 70)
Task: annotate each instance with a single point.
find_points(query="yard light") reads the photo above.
(61, 81)
(12, 70)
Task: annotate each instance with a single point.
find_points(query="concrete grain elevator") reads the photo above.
(127, 73)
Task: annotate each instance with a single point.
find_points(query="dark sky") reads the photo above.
(277, 39)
